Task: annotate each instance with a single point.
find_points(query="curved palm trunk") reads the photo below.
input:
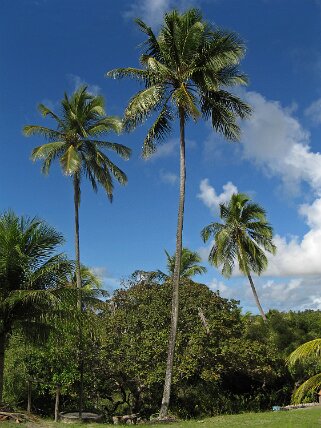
(176, 277)
(256, 297)
(79, 300)
(2, 352)
(246, 271)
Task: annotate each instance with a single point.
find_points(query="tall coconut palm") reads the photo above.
(190, 264)
(31, 278)
(243, 236)
(74, 142)
(186, 71)
(309, 351)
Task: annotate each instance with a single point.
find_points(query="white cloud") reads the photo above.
(275, 141)
(297, 256)
(314, 111)
(152, 11)
(295, 294)
(209, 196)
(77, 81)
(168, 177)
(225, 291)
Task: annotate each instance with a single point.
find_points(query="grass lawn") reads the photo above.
(300, 418)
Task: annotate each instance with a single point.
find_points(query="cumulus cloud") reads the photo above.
(209, 196)
(297, 256)
(314, 111)
(295, 294)
(224, 290)
(276, 142)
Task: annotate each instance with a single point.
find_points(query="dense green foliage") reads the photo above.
(231, 364)
(32, 279)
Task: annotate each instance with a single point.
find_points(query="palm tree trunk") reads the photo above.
(258, 304)
(2, 352)
(77, 250)
(176, 277)
(79, 300)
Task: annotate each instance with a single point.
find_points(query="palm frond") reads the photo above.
(123, 151)
(310, 385)
(107, 124)
(51, 150)
(45, 111)
(186, 100)
(134, 73)
(158, 131)
(311, 348)
(49, 134)
(141, 105)
(70, 161)
(151, 45)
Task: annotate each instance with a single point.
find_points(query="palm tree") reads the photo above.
(189, 264)
(306, 352)
(243, 236)
(31, 278)
(74, 143)
(186, 71)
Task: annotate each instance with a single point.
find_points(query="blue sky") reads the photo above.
(51, 46)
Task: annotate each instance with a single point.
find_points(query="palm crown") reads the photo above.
(32, 279)
(307, 351)
(28, 268)
(243, 236)
(74, 141)
(186, 68)
(189, 263)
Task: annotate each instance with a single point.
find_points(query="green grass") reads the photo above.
(300, 418)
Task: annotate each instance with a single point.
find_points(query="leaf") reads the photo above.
(70, 161)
